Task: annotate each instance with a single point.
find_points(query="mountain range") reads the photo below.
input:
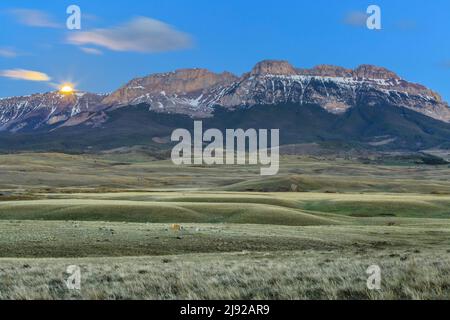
(369, 106)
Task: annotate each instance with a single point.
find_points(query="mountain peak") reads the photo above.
(187, 74)
(326, 70)
(181, 82)
(276, 67)
(205, 76)
(282, 67)
(374, 72)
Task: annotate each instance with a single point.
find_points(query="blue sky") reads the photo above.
(219, 35)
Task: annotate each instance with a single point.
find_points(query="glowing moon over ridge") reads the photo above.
(67, 89)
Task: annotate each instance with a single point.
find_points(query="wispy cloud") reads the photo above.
(21, 74)
(34, 18)
(91, 51)
(8, 53)
(139, 35)
(406, 25)
(445, 64)
(355, 19)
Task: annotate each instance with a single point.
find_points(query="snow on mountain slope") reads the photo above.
(39, 110)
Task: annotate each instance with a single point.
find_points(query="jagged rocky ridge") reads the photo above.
(195, 92)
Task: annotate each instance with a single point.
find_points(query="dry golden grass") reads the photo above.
(311, 274)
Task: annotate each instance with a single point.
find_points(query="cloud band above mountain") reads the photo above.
(139, 35)
(356, 19)
(34, 18)
(8, 53)
(21, 74)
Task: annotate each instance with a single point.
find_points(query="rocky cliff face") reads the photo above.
(196, 92)
(188, 91)
(272, 67)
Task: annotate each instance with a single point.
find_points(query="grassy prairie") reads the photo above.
(83, 239)
(308, 233)
(56, 172)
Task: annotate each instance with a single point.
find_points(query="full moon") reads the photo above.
(67, 89)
